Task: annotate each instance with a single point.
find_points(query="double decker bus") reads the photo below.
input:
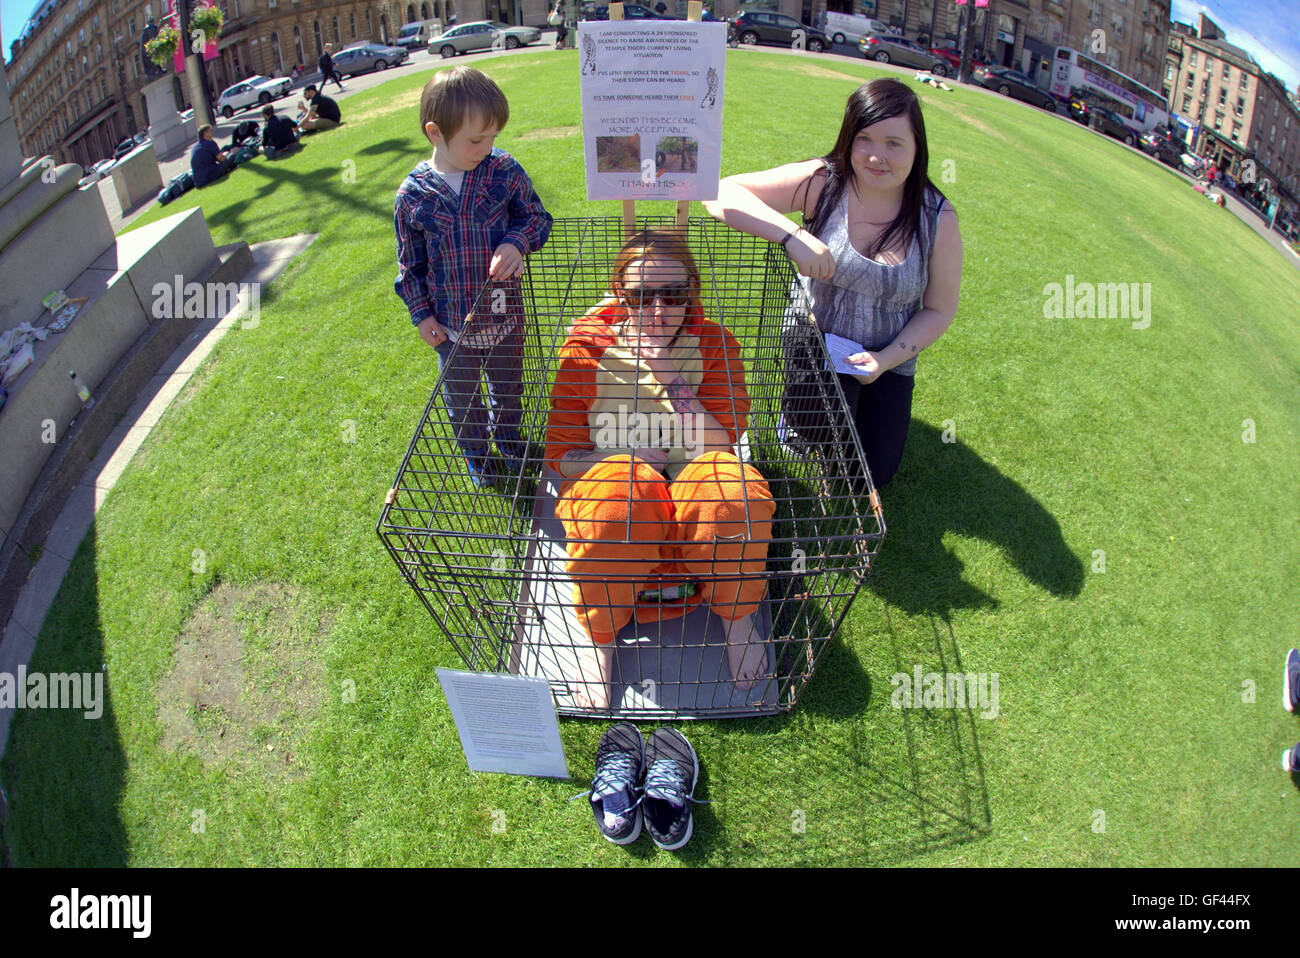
(1075, 74)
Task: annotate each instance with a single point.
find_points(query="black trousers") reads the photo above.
(880, 411)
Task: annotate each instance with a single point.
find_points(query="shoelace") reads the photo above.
(617, 772)
(666, 781)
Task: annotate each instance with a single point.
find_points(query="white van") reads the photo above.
(416, 34)
(850, 27)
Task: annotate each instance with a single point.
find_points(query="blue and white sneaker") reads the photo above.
(616, 789)
(513, 448)
(1291, 682)
(1291, 760)
(482, 471)
(673, 769)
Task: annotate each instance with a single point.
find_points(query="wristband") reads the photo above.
(785, 243)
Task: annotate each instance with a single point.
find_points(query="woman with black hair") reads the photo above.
(880, 245)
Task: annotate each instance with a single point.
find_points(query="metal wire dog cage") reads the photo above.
(493, 564)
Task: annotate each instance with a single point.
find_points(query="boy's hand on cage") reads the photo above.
(811, 256)
(432, 332)
(507, 262)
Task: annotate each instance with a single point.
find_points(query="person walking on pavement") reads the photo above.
(327, 71)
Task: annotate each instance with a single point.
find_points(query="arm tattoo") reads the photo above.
(680, 395)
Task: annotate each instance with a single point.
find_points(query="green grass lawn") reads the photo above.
(1126, 733)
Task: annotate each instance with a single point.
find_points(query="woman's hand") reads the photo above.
(870, 365)
(810, 255)
(657, 459)
(655, 352)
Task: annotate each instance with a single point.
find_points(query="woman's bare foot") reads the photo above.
(595, 676)
(746, 652)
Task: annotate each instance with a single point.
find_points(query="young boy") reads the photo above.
(466, 215)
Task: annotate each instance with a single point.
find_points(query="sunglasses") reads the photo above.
(646, 295)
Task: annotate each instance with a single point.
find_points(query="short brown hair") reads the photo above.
(205, 128)
(452, 95)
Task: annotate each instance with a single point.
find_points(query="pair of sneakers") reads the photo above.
(639, 782)
(1291, 702)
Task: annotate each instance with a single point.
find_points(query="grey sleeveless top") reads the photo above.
(870, 302)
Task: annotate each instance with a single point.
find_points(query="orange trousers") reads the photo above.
(630, 529)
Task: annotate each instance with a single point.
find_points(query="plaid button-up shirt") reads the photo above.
(445, 240)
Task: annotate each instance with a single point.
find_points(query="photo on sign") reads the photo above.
(677, 154)
(618, 154)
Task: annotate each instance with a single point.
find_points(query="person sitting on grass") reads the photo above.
(208, 162)
(322, 113)
(695, 512)
(280, 133)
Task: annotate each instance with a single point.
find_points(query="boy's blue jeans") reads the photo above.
(503, 367)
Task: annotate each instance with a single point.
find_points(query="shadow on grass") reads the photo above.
(63, 773)
(946, 487)
(391, 145)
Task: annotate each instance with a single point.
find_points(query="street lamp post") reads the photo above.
(121, 87)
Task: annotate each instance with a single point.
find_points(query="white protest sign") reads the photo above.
(652, 108)
(506, 723)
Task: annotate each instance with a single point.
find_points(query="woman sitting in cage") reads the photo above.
(648, 401)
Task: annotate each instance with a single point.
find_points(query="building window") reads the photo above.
(1236, 130)
(352, 23)
(1188, 84)
(275, 51)
(130, 27)
(370, 25)
(1117, 24)
(1187, 104)
(320, 45)
(1191, 60)
(297, 44)
(1223, 97)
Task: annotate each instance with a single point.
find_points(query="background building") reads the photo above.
(76, 74)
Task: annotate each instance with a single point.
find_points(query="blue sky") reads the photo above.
(1269, 29)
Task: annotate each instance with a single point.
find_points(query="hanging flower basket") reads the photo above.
(162, 48)
(209, 20)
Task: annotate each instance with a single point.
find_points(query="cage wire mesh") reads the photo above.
(506, 582)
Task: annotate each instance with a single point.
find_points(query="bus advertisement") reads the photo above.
(1141, 107)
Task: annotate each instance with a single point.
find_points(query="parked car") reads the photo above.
(850, 27)
(1014, 84)
(889, 48)
(1163, 147)
(96, 173)
(368, 56)
(631, 11)
(1193, 164)
(480, 35)
(255, 91)
(764, 26)
(1112, 124)
(952, 56)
